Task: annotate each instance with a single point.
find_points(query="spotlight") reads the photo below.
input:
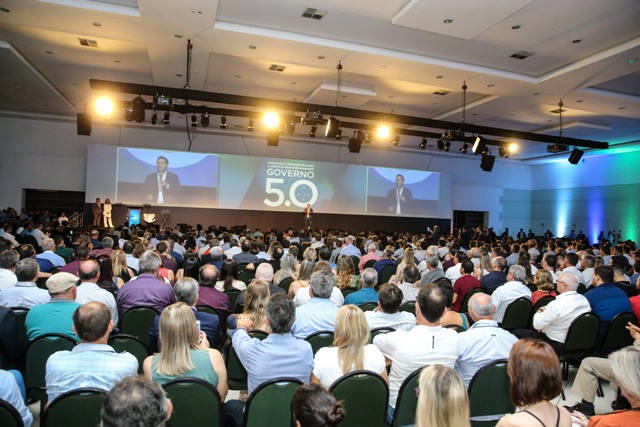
(290, 127)
(360, 135)
(194, 121)
(271, 120)
(339, 134)
(154, 118)
(440, 144)
(395, 140)
(312, 118)
(464, 148)
(138, 109)
(273, 137)
(204, 119)
(479, 146)
(223, 122)
(250, 125)
(165, 119)
(104, 106)
(368, 138)
(447, 145)
(128, 113)
(575, 156)
(383, 131)
(503, 152)
(312, 132)
(333, 125)
(162, 102)
(423, 143)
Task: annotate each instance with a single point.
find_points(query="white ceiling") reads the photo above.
(395, 54)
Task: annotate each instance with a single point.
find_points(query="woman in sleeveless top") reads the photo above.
(185, 351)
(451, 317)
(536, 378)
(306, 268)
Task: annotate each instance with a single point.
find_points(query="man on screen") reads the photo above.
(308, 213)
(161, 186)
(399, 199)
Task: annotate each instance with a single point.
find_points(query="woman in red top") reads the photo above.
(544, 283)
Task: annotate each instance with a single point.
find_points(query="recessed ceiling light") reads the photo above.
(448, 21)
(237, 76)
(516, 27)
(321, 57)
(48, 52)
(178, 74)
(292, 83)
(439, 77)
(5, 10)
(576, 41)
(97, 24)
(490, 85)
(390, 96)
(178, 36)
(622, 108)
(252, 47)
(580, 100)
(384, 67)
(536, 93)
(117, 61)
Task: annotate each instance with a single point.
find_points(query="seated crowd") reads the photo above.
(394, 303)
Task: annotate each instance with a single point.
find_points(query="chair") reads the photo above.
(320, 339)
(369, 264)
(380, 330)
(517, 314)
(405, 413)
(195, 403)
(617, 335)
(365, 396)
(409, 307)
(247, 276)
(455, 327)
(132, 345)
(207, 309)
(540, 303)
(236, 374)
(580, 341)
(464, 308)
(387, 273)
(368, 306)
(286, 284)
(137, 321)
(242, 267)
(9, 416)
(20, 314)
(582, 289)
(347, 291)
(75, 408)
(233, 295)
(356, 262)
(270, 403)
(489, 397)
(38, 351)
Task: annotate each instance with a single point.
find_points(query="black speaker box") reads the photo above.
(575, 156)
(354, 145)
(273, 138)
(84, 124)
(487, 162)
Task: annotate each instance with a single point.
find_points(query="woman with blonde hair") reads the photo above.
(346, 273)
(443, 400)
(120, 268)
(351, 350)
(255, 306)
(306, 269)
(544, 282)
(408, 259)
(484, 268)
(184, 351)
(287, 270)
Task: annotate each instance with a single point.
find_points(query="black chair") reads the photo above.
(9, 416)
(320, 339)
(409, 307)
(582, 289)
(387, 273)
(207, 309)
(356, 262)
(489, 394)
(233, 295)
(455, 327)
(195, 403)
(242, 267)
(517, 314)
(20, 314)
(380, 330)
(368, 306)
(247, 276)
(617, 335)
(236, 373)
(270, 403)
(365, 396)
(347, 291)
(369, 264)
(137, 321)
(286, 284)
(132, 345)
(464, 308)
(580, 341)
(407, 401)
(540, 303)
(75, 408)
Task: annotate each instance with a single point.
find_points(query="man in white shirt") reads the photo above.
(588, 263)
(409, 285)
(8, 260)
(453, 273)
(25, 293)
(350, 249)
(48, 247)
(426, 344)
(572, 260)
(510, 291)
(387, 314)
(88, 290)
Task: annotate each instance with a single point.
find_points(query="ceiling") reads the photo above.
(395, 54)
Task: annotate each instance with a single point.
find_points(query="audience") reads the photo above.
(136, 401)
(319, 313)
(10, 392)
(148, 289)
(25, 293)
(387, 313)
(443, 400)
(510, 291)
(367, 293)
(88, 290)
(314, 406)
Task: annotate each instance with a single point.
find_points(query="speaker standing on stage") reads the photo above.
(106, 210)
(96, 208)
(308, 213)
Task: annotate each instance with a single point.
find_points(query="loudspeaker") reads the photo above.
(575, 156)
(487, 162)
(273, 138)
(354, 145)
(84, 124)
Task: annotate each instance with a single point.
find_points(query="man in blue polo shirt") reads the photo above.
(606, 300)
(368, 293)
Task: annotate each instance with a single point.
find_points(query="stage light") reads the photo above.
(312, 132)
(194, 121)
(290, 127)
(223, 122)
(395, 140)
(513, 147)
(138, 109)
(271, 120)
(423, 143)
(333, 125)
(368, 138)
(312, 118)
(162, 102)
(250, 125)
(447, 145)
(503, 152)
(166, 118)
(383, 131)
(487, 161)
(339, 134)
(479, 146)
(104, 107)
(440, 144)
(464, 148)
(154, 118)
(204, 119)
(128, 114)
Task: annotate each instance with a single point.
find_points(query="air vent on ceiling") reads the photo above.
(313, 13)
(523, 54)
(441, 92)
(557, 111)
(276, 67)
(87, 42)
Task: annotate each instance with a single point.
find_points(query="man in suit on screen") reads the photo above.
(399, 199)
(161, 186)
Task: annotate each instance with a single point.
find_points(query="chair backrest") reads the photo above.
(286, 284)
(20, 314)
(75, 408)
(369, 264)
(242, 267)
(38, 351)
(132, 345)
(581, 336)
(236, 373)
(195, 403)
(207, 309)
(489, 392)
(617, 335)
(233, 295)
(464, 308)
(455, 327)
(380, 330)
(270, 403)
(368, 306)
(365, 396)
(540, 303)
(409, 307)
(356, 262)
(405, 413)
(137, 321)
(517, 314)
(320, 339)
(582, 289)
(387, 273)
(9, 416)
(247, 276)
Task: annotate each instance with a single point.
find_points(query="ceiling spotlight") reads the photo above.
(339, 134)
(154, 118)
(447, 145)
(138, 108)
(290, 127)
(162, 102)
(333, 125)
(423, 143)
(513, 147)
(250, 125)
(204, 119)
(395, 140)
(104, 107)
(312, 132)
(128, 113)
(383, 131)
(360, 135)
(194, 121)
(479, 146)
(464, 148)
(368, 138)
(223, 122)
(312, 118)
(440, 144)
(503, 152)
(271, 120)
(165, 119)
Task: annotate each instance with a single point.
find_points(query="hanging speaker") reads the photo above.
(273, 138)
(487, 162)
(354, 145)
(575, 156)
(84, 124)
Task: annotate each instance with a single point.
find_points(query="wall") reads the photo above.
(45, 153)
